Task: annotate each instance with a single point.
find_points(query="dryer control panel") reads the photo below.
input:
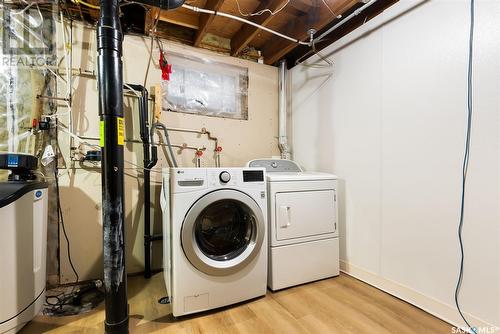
(276, 165)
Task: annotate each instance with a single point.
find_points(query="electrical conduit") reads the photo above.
(282, 115)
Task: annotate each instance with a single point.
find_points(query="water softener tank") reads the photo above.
(23, 242)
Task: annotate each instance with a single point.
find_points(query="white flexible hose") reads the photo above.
(237, 18)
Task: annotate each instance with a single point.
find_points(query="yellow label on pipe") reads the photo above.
(101, 134)
(120, 130)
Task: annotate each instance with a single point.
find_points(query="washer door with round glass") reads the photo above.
(222, 232)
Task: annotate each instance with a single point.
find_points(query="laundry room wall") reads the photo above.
(241, 140)
(389, 119)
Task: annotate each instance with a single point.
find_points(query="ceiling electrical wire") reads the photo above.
(86, 4)
(327, 6)
(465, 164)
(237, 18)
(127, 2)
(267, 10)
(124, 3)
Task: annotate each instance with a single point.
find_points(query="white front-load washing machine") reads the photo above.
(215, 236)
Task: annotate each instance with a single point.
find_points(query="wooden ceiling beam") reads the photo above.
(181, 17)
(206, 20)
(273, 52)
(247, 32)
(302, 53)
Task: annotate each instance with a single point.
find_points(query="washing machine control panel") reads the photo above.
(248, 177)
(195, 179)
(253, 176)
(221, 177)
(224, 177)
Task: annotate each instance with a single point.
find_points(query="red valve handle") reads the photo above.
(166, 68)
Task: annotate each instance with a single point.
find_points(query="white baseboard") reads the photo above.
(435, 307)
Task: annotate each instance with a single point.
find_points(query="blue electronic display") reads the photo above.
(13, 160)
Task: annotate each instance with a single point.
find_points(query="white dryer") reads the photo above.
(215, 249)
(303, 226)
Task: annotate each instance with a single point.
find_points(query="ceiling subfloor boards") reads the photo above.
(206, 20)
(302, 53)
(247, 32)
(277, 50)
(293, 18)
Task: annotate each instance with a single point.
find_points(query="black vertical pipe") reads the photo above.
(150, 159)
(147, 193)
(110, 77)
(144, 132)
(148, 238)
(149, 162)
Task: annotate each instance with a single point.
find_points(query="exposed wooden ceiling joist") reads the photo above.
(203, 30)
(181, 17)
(303, 52)
(206, 20)
(248, 32)
(273, 52)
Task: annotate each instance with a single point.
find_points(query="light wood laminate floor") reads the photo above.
(338, 305)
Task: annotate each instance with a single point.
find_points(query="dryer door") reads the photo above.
(302, 214)
(222, 232)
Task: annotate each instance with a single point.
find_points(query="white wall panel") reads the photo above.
(391, 123)
(349, 140)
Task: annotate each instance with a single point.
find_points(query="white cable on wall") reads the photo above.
(237, 18)
(133, 90)
(74, 136)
